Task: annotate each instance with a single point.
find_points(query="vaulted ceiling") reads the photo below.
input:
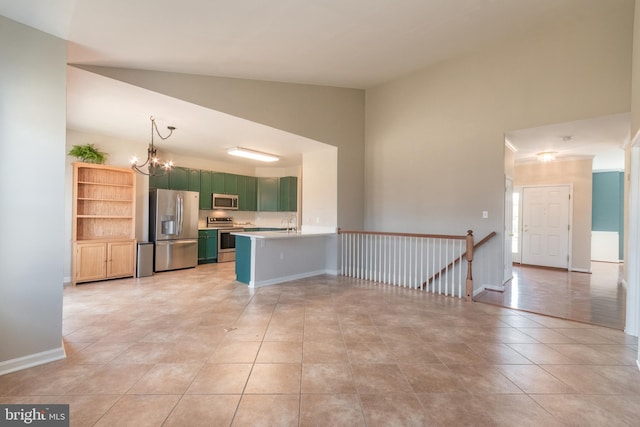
(344, 43)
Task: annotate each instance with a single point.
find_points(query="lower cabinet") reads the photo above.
(103, 260)
(207, 246)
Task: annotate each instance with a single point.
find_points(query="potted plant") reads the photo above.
(88, 154)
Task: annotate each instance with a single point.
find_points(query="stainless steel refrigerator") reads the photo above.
(173, 227)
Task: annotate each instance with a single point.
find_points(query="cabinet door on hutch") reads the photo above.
(120, 259)
(90, 261)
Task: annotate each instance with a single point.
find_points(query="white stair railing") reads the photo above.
(421, 261)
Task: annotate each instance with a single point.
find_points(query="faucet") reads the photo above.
(290, 219)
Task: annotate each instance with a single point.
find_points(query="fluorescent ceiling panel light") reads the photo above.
(250, 154)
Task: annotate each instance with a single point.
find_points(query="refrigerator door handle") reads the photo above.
(180, 213)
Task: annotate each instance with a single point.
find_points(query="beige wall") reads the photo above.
(434, 148)
(635, 96)
(578, 173)
(334, 116)
(32, 132)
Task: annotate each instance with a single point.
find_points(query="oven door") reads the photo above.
(227, 244)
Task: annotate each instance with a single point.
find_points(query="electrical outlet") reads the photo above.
(485, 214)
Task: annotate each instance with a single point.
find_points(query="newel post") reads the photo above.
(469, 264)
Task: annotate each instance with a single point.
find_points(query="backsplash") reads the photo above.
(257, 219)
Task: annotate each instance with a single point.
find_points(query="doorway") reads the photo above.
(546, 226)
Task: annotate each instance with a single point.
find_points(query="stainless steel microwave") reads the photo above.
(225, 201)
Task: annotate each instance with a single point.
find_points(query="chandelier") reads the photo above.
(155, 167)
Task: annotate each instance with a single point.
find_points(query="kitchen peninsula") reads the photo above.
(270, 257)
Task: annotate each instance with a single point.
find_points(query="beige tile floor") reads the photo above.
(193, 347)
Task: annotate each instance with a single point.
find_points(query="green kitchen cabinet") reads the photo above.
(268, 194)
(179, 179)
(205, 189)
(288, 194)
(194, 180)
(159, 181)
(217, 182)
(230, 183)
(207, 246)
(247, 193)
(184, 179)
(224, 183)
(251, 193)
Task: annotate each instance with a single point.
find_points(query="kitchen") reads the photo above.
(183, 209)
(204, 167)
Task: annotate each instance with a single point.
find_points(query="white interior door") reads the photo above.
(508, 229)
(516, 227)
(545, 226)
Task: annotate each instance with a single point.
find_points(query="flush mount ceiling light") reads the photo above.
(547, 156)
(155, 167)
(251, 154)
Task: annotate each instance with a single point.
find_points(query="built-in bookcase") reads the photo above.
(104, 206)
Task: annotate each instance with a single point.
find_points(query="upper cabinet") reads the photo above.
(254, 194)
(179, 179)
(247, 193)
(288, 195)
(268, 194)
(206, 189)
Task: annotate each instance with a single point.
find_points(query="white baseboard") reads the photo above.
(581, 270)
(275, 281)
(487, 288)
(32, 360)
(333, 272)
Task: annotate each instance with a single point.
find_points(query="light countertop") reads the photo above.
(279, 234)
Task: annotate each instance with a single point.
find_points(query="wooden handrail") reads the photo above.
(386, 233)
(463, 255)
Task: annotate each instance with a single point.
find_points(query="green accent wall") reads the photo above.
(608, 205)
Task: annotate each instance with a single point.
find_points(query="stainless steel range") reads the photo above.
(226, 241)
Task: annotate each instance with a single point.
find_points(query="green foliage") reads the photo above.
(88, 153)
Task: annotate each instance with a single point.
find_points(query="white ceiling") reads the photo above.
(96, 104)
(345, 43)
(600, 138)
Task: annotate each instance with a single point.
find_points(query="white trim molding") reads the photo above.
(633, 262)
(32, 360)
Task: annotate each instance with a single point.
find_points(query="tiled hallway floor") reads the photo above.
(193, 347)
(597, 298)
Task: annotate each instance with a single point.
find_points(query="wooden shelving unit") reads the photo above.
(103, 234)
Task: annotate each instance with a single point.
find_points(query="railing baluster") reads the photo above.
(410, 260)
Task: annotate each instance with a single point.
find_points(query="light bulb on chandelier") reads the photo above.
(155, 167)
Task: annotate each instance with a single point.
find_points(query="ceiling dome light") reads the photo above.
(547, 156)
